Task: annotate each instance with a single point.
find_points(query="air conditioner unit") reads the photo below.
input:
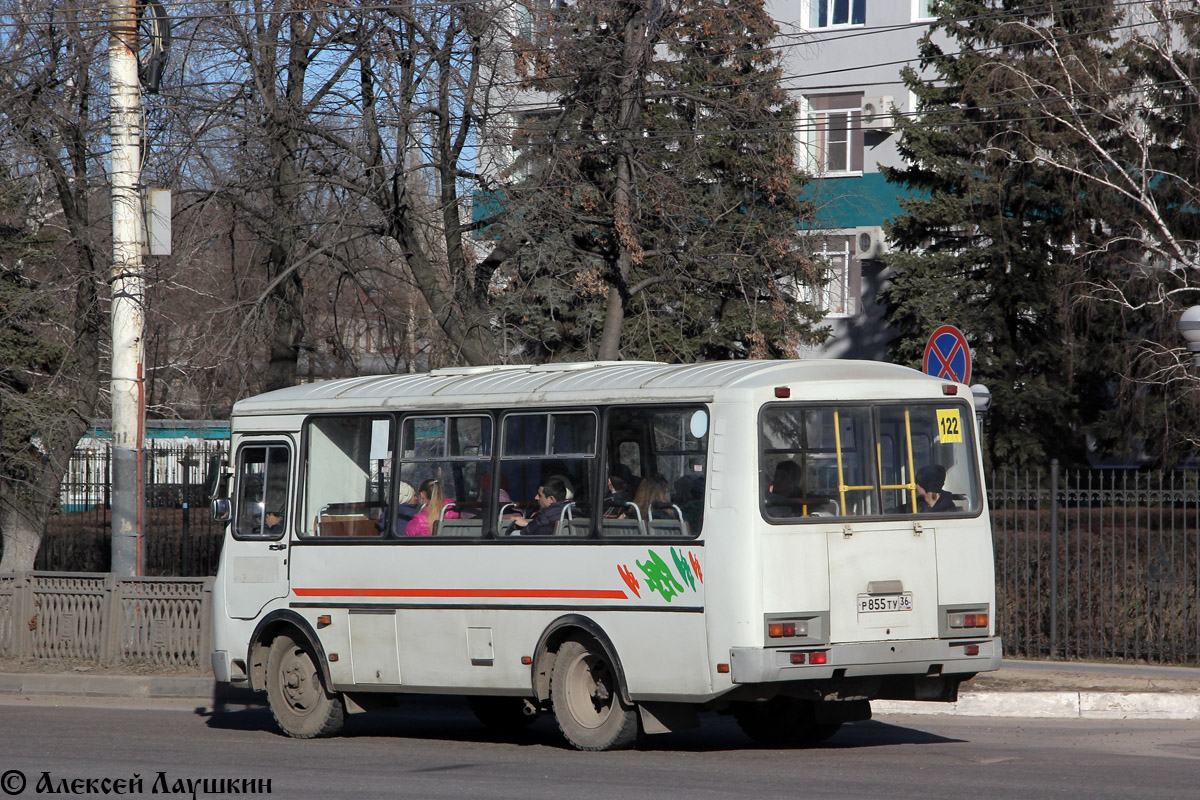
(869, 242)
(876, 113)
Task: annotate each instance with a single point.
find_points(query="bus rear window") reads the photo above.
(867, 461)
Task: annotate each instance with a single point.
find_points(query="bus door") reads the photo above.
(882, 574)
(257, 558)
(882, 582)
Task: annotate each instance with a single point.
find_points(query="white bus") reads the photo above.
(745, 537)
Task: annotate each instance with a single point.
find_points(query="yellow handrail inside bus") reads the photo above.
(843, 487)
(837, 442)
(911, 485)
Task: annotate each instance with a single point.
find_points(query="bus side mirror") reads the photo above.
(217, 477)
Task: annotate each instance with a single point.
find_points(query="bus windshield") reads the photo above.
(867, 461)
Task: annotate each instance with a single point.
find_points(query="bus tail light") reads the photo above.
(798, 658)
(818, 657)
(971, 649)
(785, 629)
(976, 620)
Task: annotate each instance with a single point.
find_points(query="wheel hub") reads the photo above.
(589, 692)
(297, 684)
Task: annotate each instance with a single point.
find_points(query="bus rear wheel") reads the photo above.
(783, 722)
(299, 701)
(586, 694)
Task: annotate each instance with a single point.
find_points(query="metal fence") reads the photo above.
(1098, 565)
(63, 615)
(181, 537)
(1111, 570)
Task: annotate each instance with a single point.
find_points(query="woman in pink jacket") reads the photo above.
(429, 495)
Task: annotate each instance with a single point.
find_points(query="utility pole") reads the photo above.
(128, 292)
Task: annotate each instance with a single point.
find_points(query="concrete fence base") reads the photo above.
(106, 618)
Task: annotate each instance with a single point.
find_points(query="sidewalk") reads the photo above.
(1070, 690)
(1034, 689)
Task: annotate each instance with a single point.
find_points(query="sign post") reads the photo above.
(948, 356)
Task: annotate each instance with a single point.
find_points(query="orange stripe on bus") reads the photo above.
(577, 594)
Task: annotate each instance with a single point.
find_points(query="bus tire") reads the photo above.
(586, 695)
(501, 715)
(301, 704)
(783, 722)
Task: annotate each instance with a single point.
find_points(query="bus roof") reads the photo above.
(597, 382)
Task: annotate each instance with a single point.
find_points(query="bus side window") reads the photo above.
(348, 475)
(539, 446)
(669, 447)
(452, 454)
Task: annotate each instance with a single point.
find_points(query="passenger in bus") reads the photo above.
(551, 499)
(556, 470)
(618, 495)
(406, 509)
(626, 474)
(429, 493)
(689, 496)
(930, 496)
(485, 487)
(653, 498)
(786, 495)
(784, 489)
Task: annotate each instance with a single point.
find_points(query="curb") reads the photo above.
(134, 686)
(64, 686)
(1028, 705)
(1056, 705)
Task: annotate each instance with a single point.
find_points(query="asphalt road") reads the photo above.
(435, 749)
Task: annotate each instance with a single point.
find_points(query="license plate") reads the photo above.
(870, 603)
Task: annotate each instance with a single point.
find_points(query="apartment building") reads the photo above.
(842, 58)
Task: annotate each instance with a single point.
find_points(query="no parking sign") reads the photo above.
(948, 356)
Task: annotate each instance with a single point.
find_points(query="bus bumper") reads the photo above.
(929, 657)
(220, 666)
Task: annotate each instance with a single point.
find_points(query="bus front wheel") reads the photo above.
(300, 703)
(586, 695)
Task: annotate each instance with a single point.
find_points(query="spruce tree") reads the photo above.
(660, 190)
(28, 353)
(993, 232)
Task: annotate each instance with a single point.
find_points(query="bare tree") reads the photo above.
(335, 146)
(424, 92)
(251, 79)
(1127, 132)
